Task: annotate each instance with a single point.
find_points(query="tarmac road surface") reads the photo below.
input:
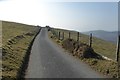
(48, 60)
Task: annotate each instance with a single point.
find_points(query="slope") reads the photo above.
(100, 46)
(16, 38)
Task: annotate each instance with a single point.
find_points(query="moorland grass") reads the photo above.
(100, 46)
(16, 38)
(104, 67)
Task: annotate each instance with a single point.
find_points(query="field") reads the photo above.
(16, 39)
(105, 67)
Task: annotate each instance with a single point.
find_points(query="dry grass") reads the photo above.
(100, 46)
(105, 67)
(16, 40)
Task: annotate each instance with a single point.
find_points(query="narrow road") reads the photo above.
(47, 60)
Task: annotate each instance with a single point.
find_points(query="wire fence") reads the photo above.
(61, 35)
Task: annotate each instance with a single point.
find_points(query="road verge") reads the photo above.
(105, 67)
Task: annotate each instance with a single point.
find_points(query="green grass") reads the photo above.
(16, 38)
(100, 46)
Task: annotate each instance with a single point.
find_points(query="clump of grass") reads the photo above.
(108, 68)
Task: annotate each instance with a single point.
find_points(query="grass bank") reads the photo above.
(100, 46)
(16, 39)
(105, 67)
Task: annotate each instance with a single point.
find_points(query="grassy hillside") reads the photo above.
(104, 67)
(100, 46)
(16, 39)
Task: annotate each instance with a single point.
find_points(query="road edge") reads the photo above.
(21, 72)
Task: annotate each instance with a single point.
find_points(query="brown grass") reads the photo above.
(105, 67)
(16, 40)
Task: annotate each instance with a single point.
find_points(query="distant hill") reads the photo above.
(105, 35)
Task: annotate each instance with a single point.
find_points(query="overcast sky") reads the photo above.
(80, 16)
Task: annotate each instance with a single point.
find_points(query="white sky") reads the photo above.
(34, 12)
(26, 11)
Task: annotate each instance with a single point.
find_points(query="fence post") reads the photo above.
(59, 35)
(78, 36)
(69, 35)
(90, 40)
(63, 36)
(117, 55)
(117, 49)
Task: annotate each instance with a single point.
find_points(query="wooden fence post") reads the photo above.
(69, 35)
(63, 36)
(53, 31)
(59, 35)
(117, 49)
(90, 40)
(78, 36)
(117, 55)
